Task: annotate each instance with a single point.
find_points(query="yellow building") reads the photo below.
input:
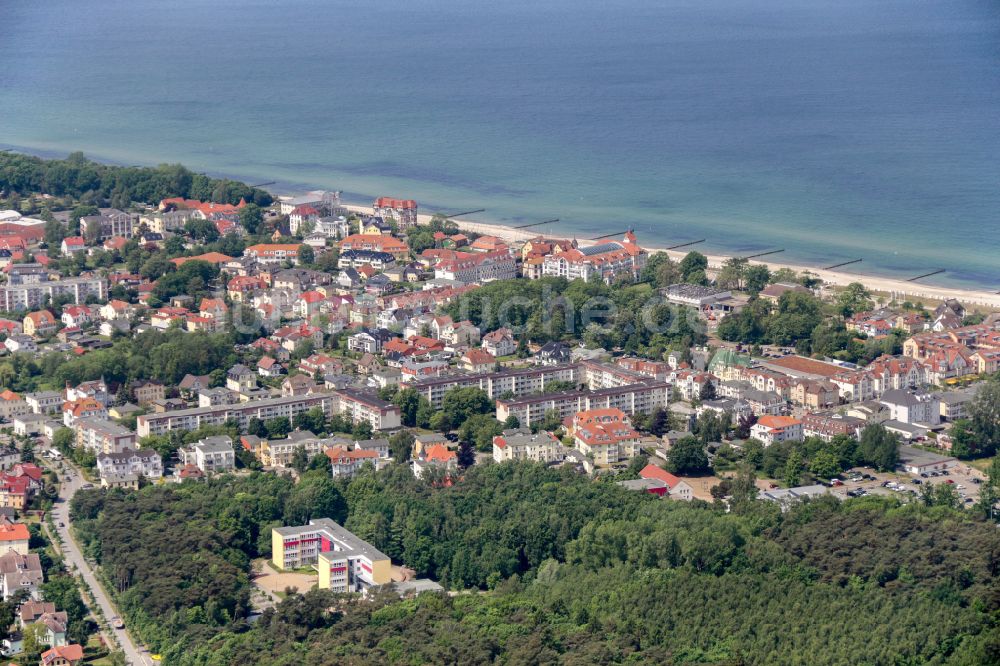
(344, 562)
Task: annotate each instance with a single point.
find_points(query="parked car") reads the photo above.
(117, 623)
(916, 482)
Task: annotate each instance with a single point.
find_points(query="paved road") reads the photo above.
(60, 514)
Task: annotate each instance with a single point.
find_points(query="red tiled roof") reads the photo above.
(779, 422)
(210, 257)
(71, 653)
(15, 532)
(801, 364)
(653, 472)
(388, 202)
(438, 453)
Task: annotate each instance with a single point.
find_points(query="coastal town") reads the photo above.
(178, 342)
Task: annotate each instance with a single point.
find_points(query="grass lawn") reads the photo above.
(982, 464)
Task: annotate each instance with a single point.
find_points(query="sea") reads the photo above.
(830, 130)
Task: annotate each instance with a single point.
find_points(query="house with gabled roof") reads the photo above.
(499, 342)
(771, 429)
(39, 324)
(478, 361)
(64, 655)
(677, 488)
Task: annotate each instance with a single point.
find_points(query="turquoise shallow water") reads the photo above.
(834, 130)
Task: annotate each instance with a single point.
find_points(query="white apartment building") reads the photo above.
(643, 397)
(241, 413)
(140, 462)
(33, 295)
(359, 407)
(212, 455)
(521, 444)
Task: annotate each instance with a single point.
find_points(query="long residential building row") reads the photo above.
(643, 397)
(496, 384)
(527, 381)
(31, 296)
(355, 405)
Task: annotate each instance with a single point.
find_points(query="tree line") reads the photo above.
(100, 184)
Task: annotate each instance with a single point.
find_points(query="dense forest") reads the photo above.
(162, 355)
(89, 182)
(561, 569)
(632, 317)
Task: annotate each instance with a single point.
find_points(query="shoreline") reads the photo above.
(894, 287)
(897, 289)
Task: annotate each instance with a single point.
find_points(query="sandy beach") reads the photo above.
(896, 289)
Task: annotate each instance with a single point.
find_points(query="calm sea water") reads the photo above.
(834, 130)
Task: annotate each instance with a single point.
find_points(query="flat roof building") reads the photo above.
(344, 561)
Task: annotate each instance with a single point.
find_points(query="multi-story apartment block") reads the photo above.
(606, 436)
(477, 267)
(402, 211)
(522, 444)
(110, 222)
(365, 407)
(32, 295)
(345, 562)
(637, 398)
(212, 455)
(826, 426)
(605, 261)
(103, 437)
(909, 407)
(773, 429)
(280, 452)
(333, 226)
(377, 243)
(241, 413)
(25, 274)
(328, 201)
(516, 382)
(45, 402)
(346, 461)
(273, 253)
(358, 258)
(136, 462)
(11, 405)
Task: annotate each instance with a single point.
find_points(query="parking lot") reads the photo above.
(961, 477)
